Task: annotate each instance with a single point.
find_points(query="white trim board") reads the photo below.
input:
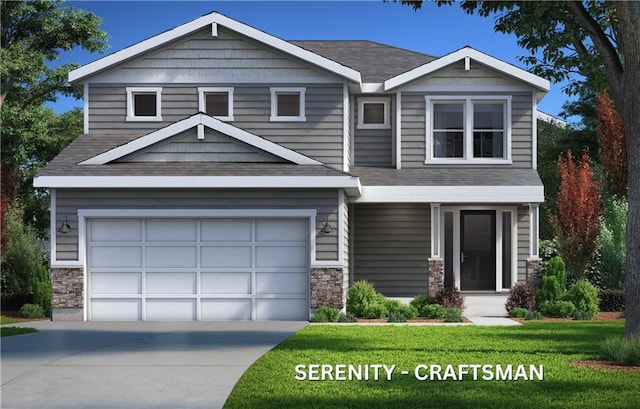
(194, 121)
(475, 55)
(350, 183)
(211, 19)
(451, 194)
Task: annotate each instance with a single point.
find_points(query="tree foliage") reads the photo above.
(579, 212)
(613, 146)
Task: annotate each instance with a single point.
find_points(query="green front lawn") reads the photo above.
(8, 331)
(7, 320)
(271, 383)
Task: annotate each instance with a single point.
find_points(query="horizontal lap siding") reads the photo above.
(413, 131)
(372, 146)
(392, 247)
(521, 140)
(69, 201)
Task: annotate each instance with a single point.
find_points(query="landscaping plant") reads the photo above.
(326, 314)
(32, 311)
(449, 297)
(453, 315)
(611, 300)
(521, 296)
(584, 297)
(554, 282)
(42, 289)
(433, 311)
(518, 312)
(361, 295)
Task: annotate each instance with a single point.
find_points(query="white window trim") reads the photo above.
(202, 103)
(274, 104)
(468, 129)
(130, 106)
(387, 105)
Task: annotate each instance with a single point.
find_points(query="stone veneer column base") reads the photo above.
(67, 294)
(435, 276)
(534, 272)
(327, 287)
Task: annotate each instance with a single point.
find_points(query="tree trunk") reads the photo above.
(629, 104)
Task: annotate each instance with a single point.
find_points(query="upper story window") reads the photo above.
(468, 129)
(216, 102)
(373, 113)
(287, 104)
(144, 104)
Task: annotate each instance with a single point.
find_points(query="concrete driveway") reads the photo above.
(132, 364)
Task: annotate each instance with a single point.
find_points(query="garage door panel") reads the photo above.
(115, 230)
(225, 257)
(282, 309)
(116, 283)
(171, 257)
(171, 283)
(226, 309)
(116, 257)
(115, 309)
(281, 257)
(158, 230)
(281, 283)
(281, 230)
(226, 283)
(225, 230)
(171, 309)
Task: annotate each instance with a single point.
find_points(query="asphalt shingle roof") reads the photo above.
(376, 62)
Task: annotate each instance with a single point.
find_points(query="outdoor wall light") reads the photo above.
(326, 229)
(64, 227)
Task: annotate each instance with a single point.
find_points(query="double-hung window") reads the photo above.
(466, 129)
(216, 102)
(144, 104)
(287, 104)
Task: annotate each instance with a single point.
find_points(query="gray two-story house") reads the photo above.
(226, 174)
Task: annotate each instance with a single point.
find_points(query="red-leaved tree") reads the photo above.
(613, 145)
(579, 211)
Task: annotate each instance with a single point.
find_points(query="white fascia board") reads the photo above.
(194, 121)
(213, 19)
(468, 52)
(350, 183)
(451, 194)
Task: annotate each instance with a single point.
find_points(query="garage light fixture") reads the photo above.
(326, 229)
(64, 227)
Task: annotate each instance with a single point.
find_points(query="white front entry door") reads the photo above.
(198, 269)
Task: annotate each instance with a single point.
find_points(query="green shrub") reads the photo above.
(433, 311)
(375, 310)
(449, 297)
(21, 256)
(453, 315)
(397, 317)
(556, 268)
(348, 317)
(42, 289)
(326, 314)
(584, 297)
(581, 316)
(611, 300)
(557, 309)
(533, 315)
(624, 351)
(518, 312)
(419, 302)
(554, 281)
(392, 305)
(32, 311)
(611, 244)
(360, 296)
(520, 296)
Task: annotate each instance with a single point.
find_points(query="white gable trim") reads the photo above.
(473, 55)
(213, 19)
(451, 194)
(194, 121)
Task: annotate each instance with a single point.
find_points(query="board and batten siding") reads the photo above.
(373, 147)
(319, 137)
(215, 147)
(392, 247)
(325, 202)
(414, 132)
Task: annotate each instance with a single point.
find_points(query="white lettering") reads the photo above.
(538, 372)
(462, 371)
(504, 375)
(389, 370)
(341, 372)
(327, 372)
(355, 372)
(449, 372)
(314, 372)
(418, 376)
(520, 373)
(301, 374)
(487, 370)
(435, 370)
(475, 368)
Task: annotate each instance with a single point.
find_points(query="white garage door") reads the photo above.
(209, 269)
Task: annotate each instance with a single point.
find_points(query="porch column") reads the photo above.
(435, 275)
(534, 263)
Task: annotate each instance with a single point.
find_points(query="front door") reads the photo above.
(477, 250)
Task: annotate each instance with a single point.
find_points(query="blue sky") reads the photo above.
(431, 30)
